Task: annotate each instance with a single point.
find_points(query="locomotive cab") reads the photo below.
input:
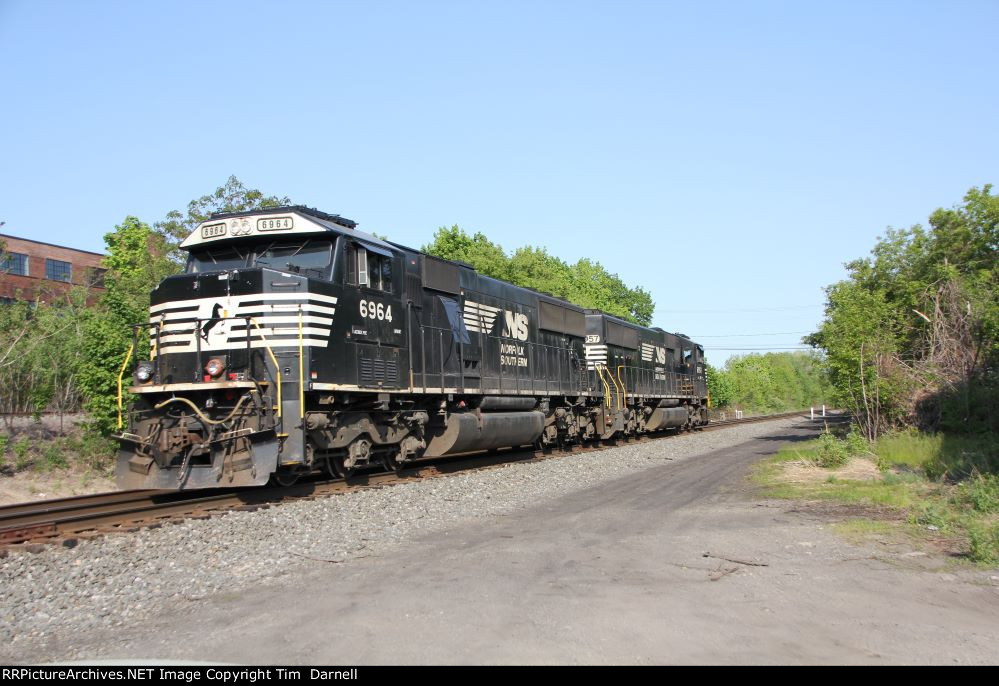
(221, 399)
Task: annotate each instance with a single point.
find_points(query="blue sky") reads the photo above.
(728, 157)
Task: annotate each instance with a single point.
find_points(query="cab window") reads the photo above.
(367, 268)
(217, 259)
(301, 256)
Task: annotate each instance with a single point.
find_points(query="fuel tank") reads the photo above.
(469, 431)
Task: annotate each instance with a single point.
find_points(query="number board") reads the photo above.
(275, 224)
(213, 230)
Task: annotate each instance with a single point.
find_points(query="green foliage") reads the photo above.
(771, 382)
(4, 442)
(585, 283)
(136, 262)
(984, 543)
(21, 457)
(233, 196)
(54, 456)
(832, 451)
(719, 387)
(913, 505)
(912, 336)
(981, 493)
(41, 344)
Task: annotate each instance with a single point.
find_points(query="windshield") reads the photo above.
(218, 259)
(314, 255)
(298, 256)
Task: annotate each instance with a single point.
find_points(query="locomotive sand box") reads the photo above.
(294, 342)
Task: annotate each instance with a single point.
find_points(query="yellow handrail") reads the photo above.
(128, 356)
(623, 389)
(301, 369)
(607, 393)
(277, 368)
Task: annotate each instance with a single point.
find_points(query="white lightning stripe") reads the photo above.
(286, 307)
(240, 300)
(595, 354)
(265, 330)
(478, 317)
(189, 327)
(286, 343)
(289, 319)
(647, 351)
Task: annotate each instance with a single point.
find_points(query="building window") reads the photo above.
(58, 270)
(95, 277)
(15, 263)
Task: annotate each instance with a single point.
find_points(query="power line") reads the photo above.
(748, 309)
(797, 347)
(739, 335)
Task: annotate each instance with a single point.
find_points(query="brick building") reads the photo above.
(32, 269)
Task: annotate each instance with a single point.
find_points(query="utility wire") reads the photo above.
(739, 335)
(753, 309)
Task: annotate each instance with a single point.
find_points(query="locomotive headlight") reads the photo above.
(144, 372)
(214, 367)
(239, 227)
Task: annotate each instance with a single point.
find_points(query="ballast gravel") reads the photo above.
(121, 579)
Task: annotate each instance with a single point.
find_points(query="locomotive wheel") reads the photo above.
(336, 468)
(390, 463)
(284, 478)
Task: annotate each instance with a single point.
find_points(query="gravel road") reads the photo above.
(281, 573)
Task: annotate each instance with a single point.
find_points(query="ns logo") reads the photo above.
(514, 325)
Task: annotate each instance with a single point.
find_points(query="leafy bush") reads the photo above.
(832, 451)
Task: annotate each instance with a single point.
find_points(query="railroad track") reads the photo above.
(68, 520)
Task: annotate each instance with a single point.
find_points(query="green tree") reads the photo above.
(136, 262)
(233, 196)
(912, 336)
(585, 283)
(771, 382)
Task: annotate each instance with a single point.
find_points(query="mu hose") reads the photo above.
(201, 415)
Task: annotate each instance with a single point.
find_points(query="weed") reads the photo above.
(856, 444)
(21, 458)
(981, 492)
(984, 543)
(54, 457)
(832, 451)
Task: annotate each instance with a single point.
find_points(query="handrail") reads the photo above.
(121, 373)
(607, 394)
(617, 389)
(301, 369)
(277, 367)
(623, 389)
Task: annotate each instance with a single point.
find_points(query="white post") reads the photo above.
(823, 410)
(811, 411)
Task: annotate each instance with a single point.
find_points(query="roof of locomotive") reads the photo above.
(624, 322)
(223, 227)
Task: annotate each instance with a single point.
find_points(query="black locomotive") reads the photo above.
(294, 342)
